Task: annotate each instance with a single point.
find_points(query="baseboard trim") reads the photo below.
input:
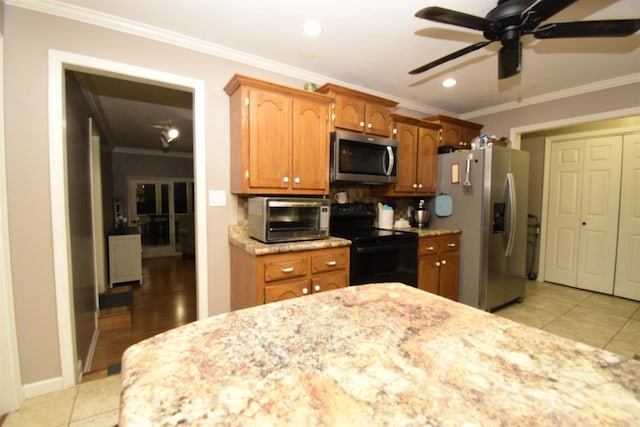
(43, 387)
(92, 347)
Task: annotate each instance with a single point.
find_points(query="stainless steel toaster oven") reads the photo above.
(287, 219)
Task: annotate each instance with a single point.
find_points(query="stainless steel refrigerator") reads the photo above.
(488, 190)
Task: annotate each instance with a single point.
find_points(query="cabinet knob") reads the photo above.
(285, 179)
(415, 185)
(444, 262)
(331, 263)
(362, 124)
(297, 180)
(287, 270)
(305, 291)
(369, 125)
(419, 185)
(437, 263)
(316, 288)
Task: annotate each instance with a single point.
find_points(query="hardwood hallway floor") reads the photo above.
(166, 299)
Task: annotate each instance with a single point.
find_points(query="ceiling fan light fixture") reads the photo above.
(169, 134)
(449, 82)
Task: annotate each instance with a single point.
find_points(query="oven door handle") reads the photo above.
(386, 248)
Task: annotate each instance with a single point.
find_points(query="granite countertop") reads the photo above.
(239, 236)
(430, 232)
(384, 354)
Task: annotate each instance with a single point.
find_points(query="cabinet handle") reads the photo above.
(331, 263)
(297, 180)
(430, 248)
(451, 245)
(305, 291)
(285, 179)
(437, 263)
(287, 270)
(444, 262)
(316, 288)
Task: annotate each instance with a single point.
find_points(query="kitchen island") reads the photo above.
(382, 354)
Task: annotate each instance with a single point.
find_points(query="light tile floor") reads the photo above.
(599, 320)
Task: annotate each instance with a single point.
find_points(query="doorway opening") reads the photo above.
(60, 63)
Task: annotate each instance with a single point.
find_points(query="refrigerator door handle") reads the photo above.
(510, 201)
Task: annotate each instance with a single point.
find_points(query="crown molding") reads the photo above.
(93, 17)
(149, 152)
(554, 96)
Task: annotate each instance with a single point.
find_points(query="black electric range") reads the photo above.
(376, 255)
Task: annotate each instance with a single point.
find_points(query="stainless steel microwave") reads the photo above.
(360, 158)
(287, 219)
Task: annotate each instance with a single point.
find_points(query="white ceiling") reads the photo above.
(373, 44)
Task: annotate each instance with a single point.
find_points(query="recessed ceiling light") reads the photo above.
(449, 82)
(312, 28)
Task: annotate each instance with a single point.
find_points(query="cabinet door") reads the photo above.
(428, 272)
(427, 161)
(378, 120)
(283, 291)
(125, 258)
(406, 135)
(451, 134)
(449, 272)
(349, 113)
(310, 145)
(269, 139)
(330, 281)
(468, 134)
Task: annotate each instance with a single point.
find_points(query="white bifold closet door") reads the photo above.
(583, 212)
(627, 283)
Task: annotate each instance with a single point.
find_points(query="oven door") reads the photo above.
(378, 261)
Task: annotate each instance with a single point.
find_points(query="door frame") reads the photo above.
(515, 135)
(59, 62)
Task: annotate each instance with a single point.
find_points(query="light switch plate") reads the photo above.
(217, 198)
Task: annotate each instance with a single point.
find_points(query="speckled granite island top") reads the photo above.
(384, 354)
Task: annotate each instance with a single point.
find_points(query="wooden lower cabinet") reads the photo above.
(439, 265)
(257, 280)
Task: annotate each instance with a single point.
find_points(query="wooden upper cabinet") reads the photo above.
(417, 158)
(455, 132)
(359, 111)
(279, 138)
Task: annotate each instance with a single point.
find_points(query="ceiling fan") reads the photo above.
(168, 135)
(512, 19)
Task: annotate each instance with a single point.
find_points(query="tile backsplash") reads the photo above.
(356, 194)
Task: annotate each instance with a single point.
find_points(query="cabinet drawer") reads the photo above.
(283, 268)
(427, 246)
(329, 261)
(450, 243)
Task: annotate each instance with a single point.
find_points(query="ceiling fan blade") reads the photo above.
(449, 57)
(509, 61)
(609, 28)
(453, 17)
(545, 9)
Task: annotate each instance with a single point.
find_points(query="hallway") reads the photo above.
(166, 299)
